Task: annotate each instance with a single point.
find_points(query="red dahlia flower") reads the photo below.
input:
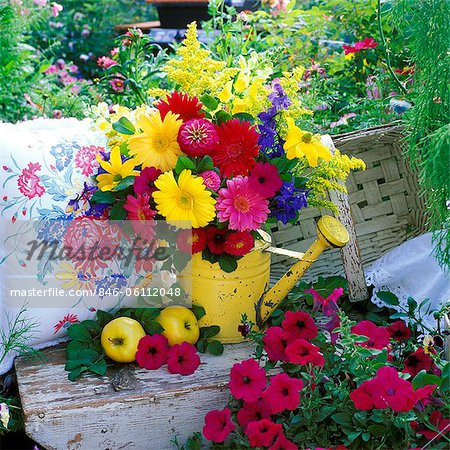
(215, 240)
(239, 243)
(218, 425)
(399, 331)
(265, 180)
(283, 443)
(197, 137)
(183, 359)
(442, 425)
(378, 336)
(183, 105)
(237, 148)
(283, 393)
(247, 380)
(299, 325)
(152, 352)
(365, 44)
(303, 352)
(144, 183)
(253, 412)
(418, 361)
(275, 343)
(263, 433)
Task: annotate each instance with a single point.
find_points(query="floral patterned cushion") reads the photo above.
(43, 166)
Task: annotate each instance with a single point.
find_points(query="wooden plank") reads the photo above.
(141, 25)
(89, 414)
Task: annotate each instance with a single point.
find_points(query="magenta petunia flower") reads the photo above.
(211, 179)
(265, 180)
(197, 137)
(239, 204)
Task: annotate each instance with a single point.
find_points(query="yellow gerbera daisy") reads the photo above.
(301, 144)
(117, 170)
(188, 200)
(157, 145)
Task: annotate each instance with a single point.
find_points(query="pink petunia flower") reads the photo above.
(265, 180)
(239, 204)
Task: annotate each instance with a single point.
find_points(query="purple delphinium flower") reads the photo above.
(278, 96)
(288, 202)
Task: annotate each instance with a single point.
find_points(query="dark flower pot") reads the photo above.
(179, 15)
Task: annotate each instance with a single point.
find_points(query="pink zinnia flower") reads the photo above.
(239, 204)
(56, 9)
(106, 62)
(211, 179)
(365, 44)
(114, 51)
(197, 137)
(144, 183)
(265, 180)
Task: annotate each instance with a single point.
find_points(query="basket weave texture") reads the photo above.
(386, 207)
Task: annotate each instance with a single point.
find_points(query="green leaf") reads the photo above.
(150, 314)
(202, 345)
(118, 212)
(209, 332)
(74, 374)
(198, 311)
(153, 327)
(209, 101)
(377, 430)
(125, 183)
(73, 349)
(124, 126)
(342, 418)
(388, 297)
(244, 116)
(215, 347)
(423, 378)
(78, 332)
(103, 317)
(103, 197)
(184, 163)
(222, 116)
(180, 260)
(99, 367)
(228, 263)
(205, 164)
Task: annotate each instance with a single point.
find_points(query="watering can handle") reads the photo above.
(330, 233)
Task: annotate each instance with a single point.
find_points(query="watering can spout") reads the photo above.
(330, 233)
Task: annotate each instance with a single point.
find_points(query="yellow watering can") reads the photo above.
(228, 296)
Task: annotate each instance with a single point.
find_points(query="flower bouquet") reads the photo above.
(219, 151)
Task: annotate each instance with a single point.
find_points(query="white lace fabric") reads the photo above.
(410, 270)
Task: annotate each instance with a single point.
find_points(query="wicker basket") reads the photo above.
(385, 204)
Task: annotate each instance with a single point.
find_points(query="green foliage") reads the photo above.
(425, 30)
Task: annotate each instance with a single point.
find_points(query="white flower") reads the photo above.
(4, 415)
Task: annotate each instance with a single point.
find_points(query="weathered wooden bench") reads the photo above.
(127, 408)
(146, 410)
